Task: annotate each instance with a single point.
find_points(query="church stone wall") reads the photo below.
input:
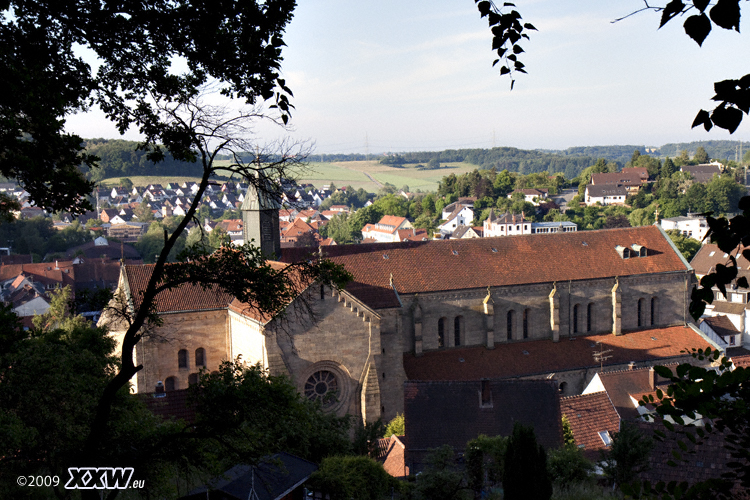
(190, 331)
(345, 340)
(582, 307)
(247, 339)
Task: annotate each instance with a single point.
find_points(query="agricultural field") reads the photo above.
(145, 180)
(369, 175)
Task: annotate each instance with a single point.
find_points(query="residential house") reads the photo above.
(632, 181)
(692, 226)
(533, 196)
(386, 230)
(451, 207)
(605, 194)
(467, 232)
(703, 173)
(462, 215)
(506, 224)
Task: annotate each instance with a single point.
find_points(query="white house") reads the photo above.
(694, 227)
(386, 230)
(533, 196)
(605, 194)
(461, 216)
(506, 224)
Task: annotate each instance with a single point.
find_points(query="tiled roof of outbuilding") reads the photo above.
(589, 414)
(545, 356)
(433, 266)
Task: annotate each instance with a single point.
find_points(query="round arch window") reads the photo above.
(322, 386)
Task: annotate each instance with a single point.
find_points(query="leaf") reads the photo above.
(484, 7)
(727, 118)
(529, 26)
(726, 13)
(663, 371)
(703, 118)
(697, 27)
(504, 70)
(742, 282)
(495, 62)
(517, 49)
(670, 10)
(701, 4)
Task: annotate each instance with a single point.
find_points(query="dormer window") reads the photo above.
(624, 252)
(639, 250)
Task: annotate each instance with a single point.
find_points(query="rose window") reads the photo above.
(322, 386)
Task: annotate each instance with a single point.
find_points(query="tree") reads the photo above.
(395, 426)
(687, 246)
(667, 168)
(525, 475)
(442, 478)
(628, 455)
(700, 155)
(45, 79)
(567, 466)
(347, 477)
(126, 183)
(485, 461)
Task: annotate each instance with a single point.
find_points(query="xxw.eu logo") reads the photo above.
(99, 478)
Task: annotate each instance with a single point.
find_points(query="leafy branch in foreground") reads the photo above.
(733, 95)
(507, 31)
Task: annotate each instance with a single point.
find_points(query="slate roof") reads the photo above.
(546, 356)
(617, 178)
(450, 412)
(273, 479)
(433, 266)
(601, 190)
(702, 173)
(706, 460)
(588, 415)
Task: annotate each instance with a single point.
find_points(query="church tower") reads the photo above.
(260, 219)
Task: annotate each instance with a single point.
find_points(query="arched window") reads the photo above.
(457, 330)
(182, 358)
(589, 316)
(509, 325)
(575, 318)
(441, 333)
(170, 384)
(200, 357)
(525, 323)
(640, 312)
(193, 378)
(561, 388)
(654, 303)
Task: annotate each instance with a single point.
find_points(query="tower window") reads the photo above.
(441, 333)
(200, 357)
(182, 358)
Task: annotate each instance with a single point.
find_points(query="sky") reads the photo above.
(395, 76)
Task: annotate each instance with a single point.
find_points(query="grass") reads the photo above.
(344, 173)
(145, 180)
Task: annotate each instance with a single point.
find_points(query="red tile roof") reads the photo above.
(624, 386)
(588, 415)
(431, 266)
(187, 297)
(546, 356)
(392, 456)
(709, 255)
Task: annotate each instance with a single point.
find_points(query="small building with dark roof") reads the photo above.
(438, 413)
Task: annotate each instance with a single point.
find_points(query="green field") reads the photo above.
(345, 173)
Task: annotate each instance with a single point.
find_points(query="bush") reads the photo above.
(567, 466)
(349, 477)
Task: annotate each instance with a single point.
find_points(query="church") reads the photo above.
(535, 306)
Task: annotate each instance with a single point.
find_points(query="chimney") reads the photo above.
(631, 366)
(652, 378)
(159, 390)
